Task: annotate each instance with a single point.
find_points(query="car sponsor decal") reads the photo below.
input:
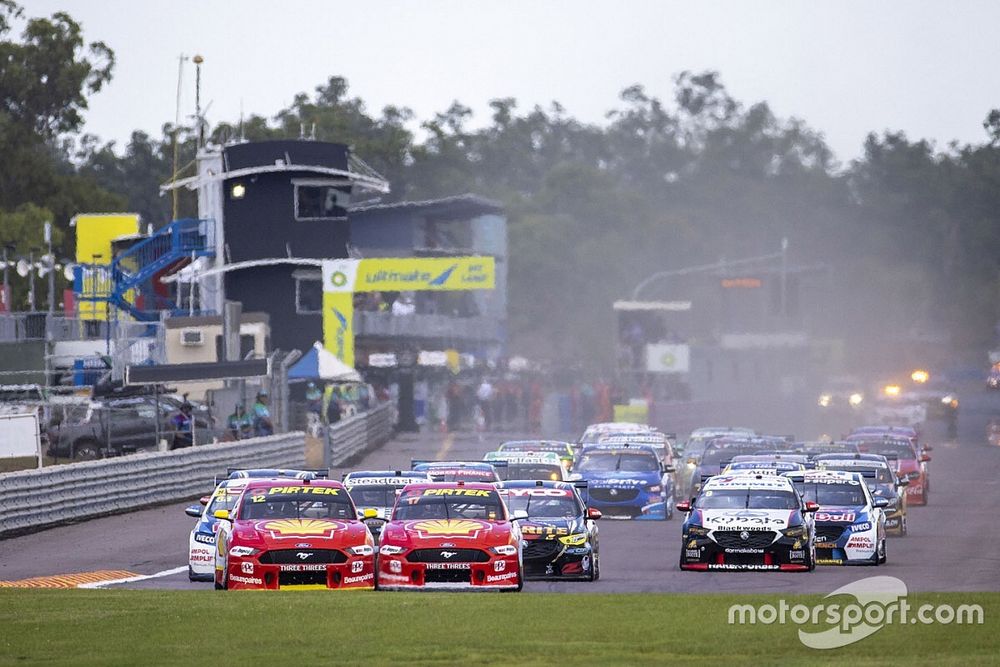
(539, 493)
(861, 527)
(860, 542)
(507, 576)
(383, 481)
(732, 566)
(449, 566)
(360, 578)
(293, 528)
(475, 493)
(835, 517)
(466, 528)
(796, 555)
(308, 490)
(826, 545)
(692, 553)
(204, 539)
(253, 581)
(544, 530)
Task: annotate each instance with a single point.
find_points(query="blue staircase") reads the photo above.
(131, 281)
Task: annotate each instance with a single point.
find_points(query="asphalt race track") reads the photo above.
(951, 544)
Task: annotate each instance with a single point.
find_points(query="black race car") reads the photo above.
(560, 539)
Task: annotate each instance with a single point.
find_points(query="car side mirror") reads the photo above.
(924, 458)
(519, 515)
(928, 448)
(194, 511)
(903, 481)
(669, 468)
(222, 515)
(204, 500)
(683, 506)
(594, 513)
(881, 502)
(810, 506)
(370, 513)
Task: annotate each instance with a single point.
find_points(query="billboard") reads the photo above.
(94, 234)
(668, 358)
(343, 277)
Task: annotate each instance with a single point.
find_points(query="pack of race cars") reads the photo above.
(529, 510)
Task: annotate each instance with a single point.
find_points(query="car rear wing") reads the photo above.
(300, 473)
(458, 462)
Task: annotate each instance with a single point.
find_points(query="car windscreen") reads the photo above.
(297, 502)
(900, 449)
(530, 471)
(613, 461)
(534, 447)
(840, 494)
(449, 504)
(716, 455)
(732, 499)
(223, 499)
(545, 503)
(373, 496)
(882, 474)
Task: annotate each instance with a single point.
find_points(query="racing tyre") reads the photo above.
(190, 574)
(902, 527)
(595, 569)
(86, 450)
(881, 554)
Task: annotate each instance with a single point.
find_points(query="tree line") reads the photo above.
(909, 232)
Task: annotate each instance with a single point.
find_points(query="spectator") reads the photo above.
(182, 423)
(262, 424)
(240, 425)
(333, 407)
(314, 398)
(404, 305)
(484, 398)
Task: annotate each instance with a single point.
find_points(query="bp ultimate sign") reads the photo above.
(343, 277)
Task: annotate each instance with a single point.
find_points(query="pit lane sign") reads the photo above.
(668, 358)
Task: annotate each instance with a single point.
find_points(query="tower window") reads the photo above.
(321, 201)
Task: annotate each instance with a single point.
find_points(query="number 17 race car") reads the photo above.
(450, 535)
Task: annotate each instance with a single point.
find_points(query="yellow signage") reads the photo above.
(343, 277)
(94, 234)
(637, 414)
(416, 274)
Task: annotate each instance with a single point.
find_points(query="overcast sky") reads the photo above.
(846, 67)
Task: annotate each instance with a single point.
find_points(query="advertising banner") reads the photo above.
(668, 358)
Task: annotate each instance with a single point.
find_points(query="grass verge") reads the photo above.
(126, 627)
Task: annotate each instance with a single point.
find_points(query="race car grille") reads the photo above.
(541, 549)
(302, 578)
(613, 495)
(828, 533)
(305, 555)
(448, 556)
(732, 539)
(446, 577)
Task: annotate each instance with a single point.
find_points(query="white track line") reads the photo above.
(129, 580)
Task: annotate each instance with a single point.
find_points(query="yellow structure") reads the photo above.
(94, 234)
(343, 277)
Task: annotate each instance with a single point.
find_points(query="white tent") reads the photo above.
(332, 368)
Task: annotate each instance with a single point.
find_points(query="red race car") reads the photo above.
(450, 535)
(285, 533)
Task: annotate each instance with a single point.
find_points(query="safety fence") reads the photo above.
(34, 499)
(352, 437)
(65, 493)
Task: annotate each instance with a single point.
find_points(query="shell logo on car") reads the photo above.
(449, 527)
(301, 527)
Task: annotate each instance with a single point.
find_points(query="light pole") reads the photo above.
(52, 269)
(784, 276)
(5, 296)
(31, 280)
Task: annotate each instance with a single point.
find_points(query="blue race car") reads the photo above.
(626, 481)
(228, 487)
(850, 522)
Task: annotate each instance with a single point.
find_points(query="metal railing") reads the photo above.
(426, 326)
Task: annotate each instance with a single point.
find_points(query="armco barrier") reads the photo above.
(35, 499)
(357, 435)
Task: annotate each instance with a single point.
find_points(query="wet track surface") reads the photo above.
(951, 545)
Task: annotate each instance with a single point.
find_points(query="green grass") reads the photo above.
(308, 628)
